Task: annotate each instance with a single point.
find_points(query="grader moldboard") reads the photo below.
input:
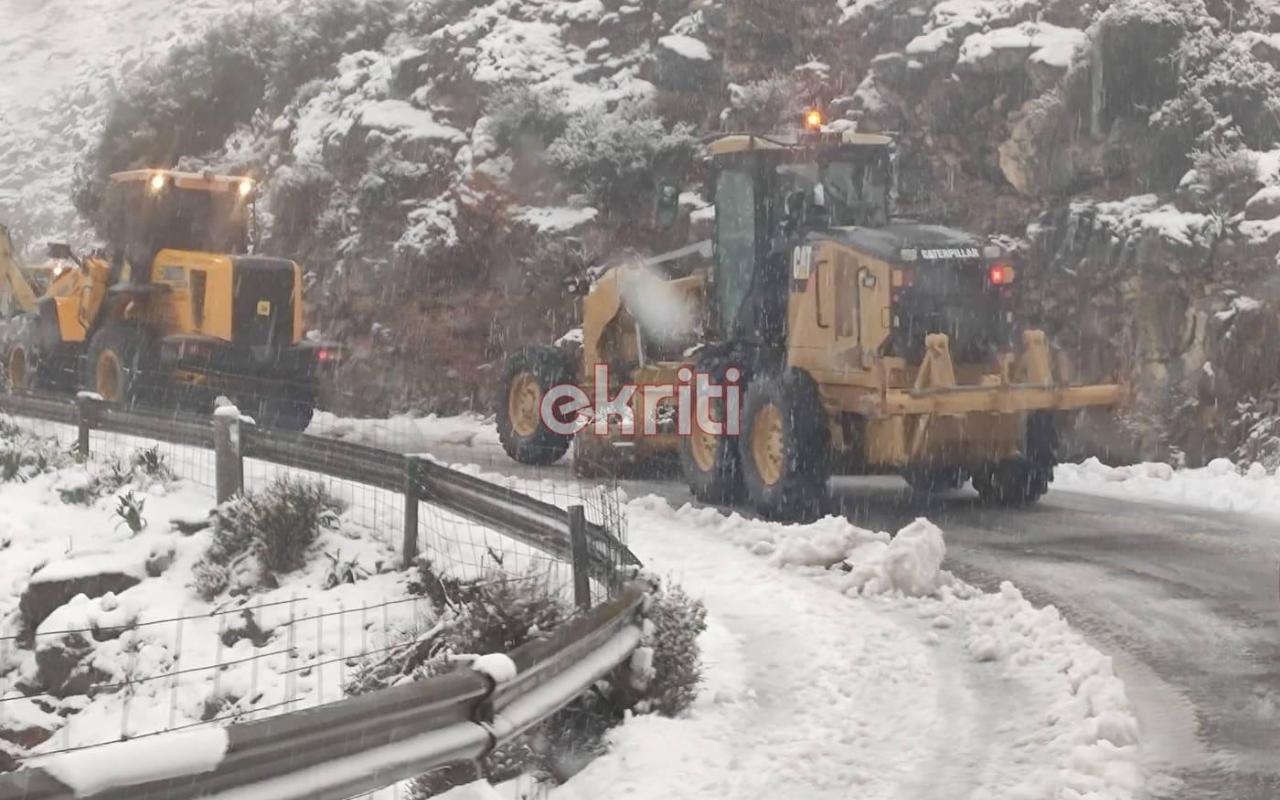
(178, 309)
(865, 343)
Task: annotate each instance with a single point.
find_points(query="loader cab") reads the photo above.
(769, 193)
(154, 210)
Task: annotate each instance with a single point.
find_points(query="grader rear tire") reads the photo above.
(784, 447)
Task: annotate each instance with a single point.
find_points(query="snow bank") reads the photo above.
(407, 434)
(1221, 485)
(1089, 717)
(909, 563)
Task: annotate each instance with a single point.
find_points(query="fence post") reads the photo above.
(415, 472)
(229, 464)
(581, 570)
(90, 407)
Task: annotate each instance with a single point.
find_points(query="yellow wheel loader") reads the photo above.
(177, 310)
(860, 343)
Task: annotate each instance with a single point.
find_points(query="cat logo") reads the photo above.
(801, 263)
(264, 308)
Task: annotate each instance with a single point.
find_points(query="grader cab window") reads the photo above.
(735, 242)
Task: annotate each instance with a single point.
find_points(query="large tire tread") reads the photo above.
(550, 366)
(801, 492)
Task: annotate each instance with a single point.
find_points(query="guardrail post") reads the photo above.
(228, 463)
(90, 407)
(415, 472)
(581, 555)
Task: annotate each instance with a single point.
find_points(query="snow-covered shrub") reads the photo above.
(761, 105)
(611, 156)
(678, 620)
(519, 111)
(286, 518)
(24, 455)
(211, 579)
(1223, 95)
(263, 533)
(151, 463)
(1229, 174)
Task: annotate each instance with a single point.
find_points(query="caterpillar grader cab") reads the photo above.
(859, 342)
(176, 310)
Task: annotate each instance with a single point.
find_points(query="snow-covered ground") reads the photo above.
(156, 645)
(1220, 486)
(158, 636)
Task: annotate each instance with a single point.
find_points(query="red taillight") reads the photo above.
(1000, 274)
(324, 356)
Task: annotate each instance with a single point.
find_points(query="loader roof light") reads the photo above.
(1000, 274)
(813, 120)
(157, 183)
(245, 188)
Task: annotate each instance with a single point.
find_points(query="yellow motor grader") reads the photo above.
(177, 309)
(860, 342)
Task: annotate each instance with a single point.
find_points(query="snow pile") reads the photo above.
(1221, 485)
(910, 564)
(406, 434)
(156, 758)
(498, 666)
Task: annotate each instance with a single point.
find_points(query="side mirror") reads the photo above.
(668, 204)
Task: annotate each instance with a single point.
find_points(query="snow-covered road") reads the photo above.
(1184, 599)
(814, 690)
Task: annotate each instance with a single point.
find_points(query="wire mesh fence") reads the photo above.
(161, 658)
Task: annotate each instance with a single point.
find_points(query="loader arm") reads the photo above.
(15, 289)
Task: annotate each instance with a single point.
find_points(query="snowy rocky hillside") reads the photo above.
(429, 162)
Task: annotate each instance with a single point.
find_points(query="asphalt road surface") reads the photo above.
(1186, 601)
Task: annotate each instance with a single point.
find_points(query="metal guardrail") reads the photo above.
(363, 743)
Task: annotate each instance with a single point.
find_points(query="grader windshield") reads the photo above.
(768, 191)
